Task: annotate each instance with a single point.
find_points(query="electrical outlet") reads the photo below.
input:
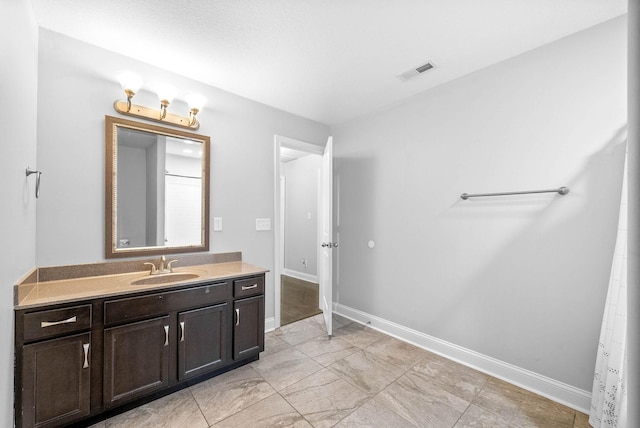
(217, 224)
(263, 224)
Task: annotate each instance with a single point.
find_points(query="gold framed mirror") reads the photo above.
(156, 190)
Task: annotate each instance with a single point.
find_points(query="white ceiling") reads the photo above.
(327, 60)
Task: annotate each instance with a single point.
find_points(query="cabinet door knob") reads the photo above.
(237, 316)
(181, 331)
(166, 335)
(85, 348)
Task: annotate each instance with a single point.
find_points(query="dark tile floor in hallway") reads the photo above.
(298, 299)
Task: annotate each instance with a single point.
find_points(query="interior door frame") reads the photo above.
(278, 241)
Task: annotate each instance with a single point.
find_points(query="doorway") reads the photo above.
(298, 228)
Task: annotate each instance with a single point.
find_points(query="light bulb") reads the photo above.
(165, 92)
(129, 81)
(195, 101)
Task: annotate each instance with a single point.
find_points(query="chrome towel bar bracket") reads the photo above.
(38, 173)
(561, 191)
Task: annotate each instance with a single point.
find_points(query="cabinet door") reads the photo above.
(202, 340)
(136, 360)
(248, 331)
(56, 381)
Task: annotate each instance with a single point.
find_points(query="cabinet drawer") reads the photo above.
(135, 308)
(54, 322)
(248, 287)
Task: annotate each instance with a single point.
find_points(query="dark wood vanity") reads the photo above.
(79, 359)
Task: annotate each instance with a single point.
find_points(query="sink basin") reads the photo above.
(164, 279)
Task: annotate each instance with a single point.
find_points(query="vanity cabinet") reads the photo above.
(79, 360)
(152, 341)
(56, 381)
(203, 340)
(136, 360)
(248, 330)
(55, 366)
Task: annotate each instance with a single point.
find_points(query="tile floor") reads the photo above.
(359, 378)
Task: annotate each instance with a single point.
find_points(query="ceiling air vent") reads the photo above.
(415, 71)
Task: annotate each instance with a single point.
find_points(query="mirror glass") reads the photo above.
(157, 190)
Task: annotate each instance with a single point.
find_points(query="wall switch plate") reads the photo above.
(263, 224)
(217, 224)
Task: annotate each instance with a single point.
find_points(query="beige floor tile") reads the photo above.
(366, 371)
(298, 332)
(173, 411)
(361, 363)
(273, 344)
(340, 321)
(337, 321)
(476, 417)
(273, 411)
(229, 393)
(397, 352)
(285, 367)
(324, 398)
(358, 334)
(372, 414)
(99, 425)
(522, 407)
(544, 413)
(458, 379)
(327, 350)
(581, 421)
(421, 402)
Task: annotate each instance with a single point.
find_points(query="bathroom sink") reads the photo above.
(165, 278)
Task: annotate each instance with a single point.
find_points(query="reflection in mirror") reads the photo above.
(157, 190)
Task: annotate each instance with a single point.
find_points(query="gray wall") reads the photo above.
(301, 199)
(70, 223)
(520, 279)
(18, 86)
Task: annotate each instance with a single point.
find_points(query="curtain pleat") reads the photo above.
(609, 395)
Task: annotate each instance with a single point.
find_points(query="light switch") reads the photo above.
(263, 224)
(217, 224)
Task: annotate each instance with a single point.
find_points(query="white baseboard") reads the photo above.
(560, 392)
(300, 275)
(269, 324)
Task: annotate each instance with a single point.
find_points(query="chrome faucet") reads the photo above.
(162, 269)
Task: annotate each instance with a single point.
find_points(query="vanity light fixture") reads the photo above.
(131, 83)
(195, 101)
(165, 94)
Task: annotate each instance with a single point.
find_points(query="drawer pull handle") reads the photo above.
(249, 287)
(85, 347)
(237, 316)
(44, 324)
(166, 335)
(182, 331)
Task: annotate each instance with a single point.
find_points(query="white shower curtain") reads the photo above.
(609, 396)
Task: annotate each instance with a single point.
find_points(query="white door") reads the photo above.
(325, 271)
